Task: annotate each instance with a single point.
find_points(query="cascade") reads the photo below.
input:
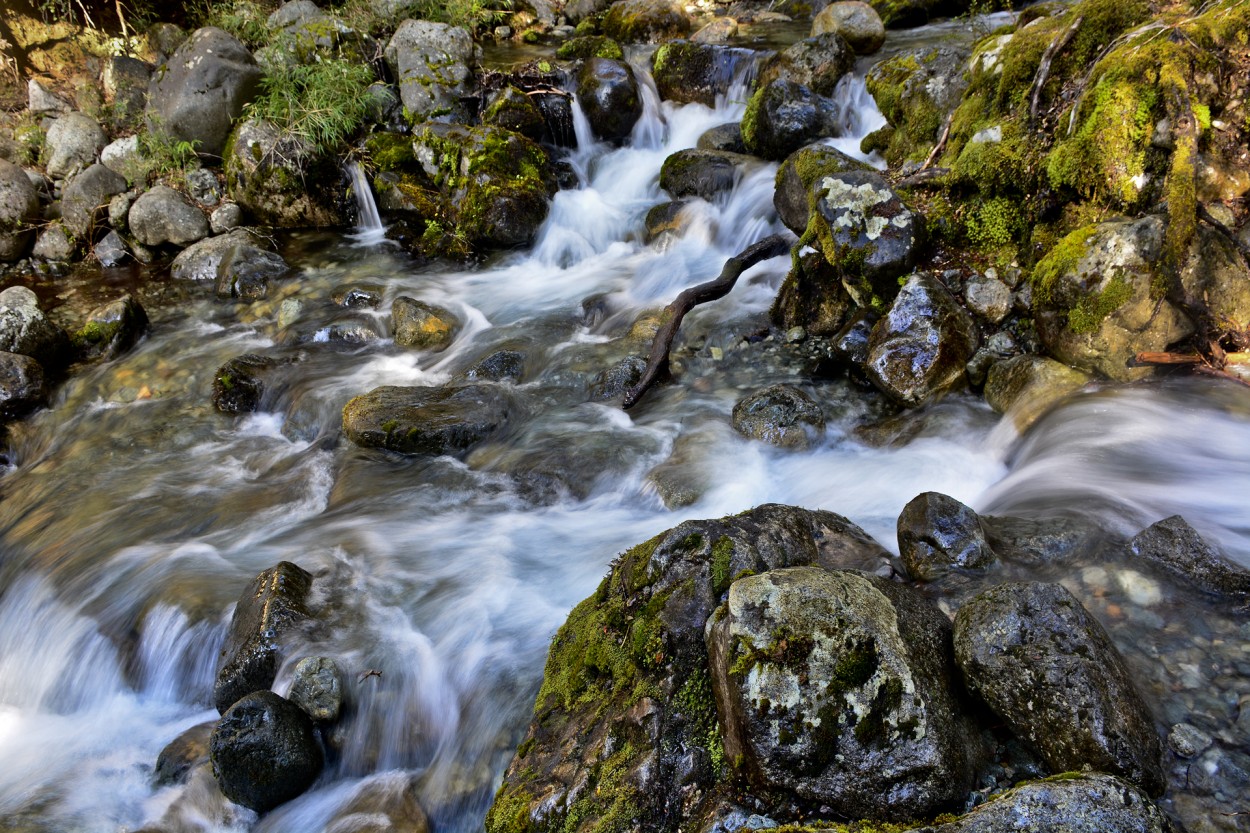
(369, 227)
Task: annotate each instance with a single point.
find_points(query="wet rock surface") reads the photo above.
(444, 420)
(608, 93)
(264, 751)
(183, 754)
(1176, 547)
(937, 533)
(780, 415)
(783, 116)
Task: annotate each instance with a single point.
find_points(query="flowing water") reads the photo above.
(133, 514)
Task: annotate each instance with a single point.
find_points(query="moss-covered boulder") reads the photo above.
(590, 46)
(783, 116)
(111, 329)
(428, 420)
(608, 93)
(812, 297)
(858, 23)
(686, 71)
(625, 733)
(916, 91)
(512, 109)
(817, 63)
(270, 174)
(701, 173)
(798, 177)
(646, 21)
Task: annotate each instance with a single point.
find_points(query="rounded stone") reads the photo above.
(318, 688)
(608, 93)
(163, 215)
(937, 533)
(781, 415)
(421, 325)
(265, 751)
(73, 142)
(857, 22)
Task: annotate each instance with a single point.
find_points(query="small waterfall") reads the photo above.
(369, 228)
(859, 116)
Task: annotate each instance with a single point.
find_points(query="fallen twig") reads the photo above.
(1043, 68)
(946, 132)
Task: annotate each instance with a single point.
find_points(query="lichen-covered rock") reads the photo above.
(239, 384)
(700, 173)
(421, 325)
(427, 420)
(265, 751)
(74, 142)
(780, 415)
(839, 686)
(182, 754)
(19, 209)
(1049, 670)
(783, 116)
(800, 173)
(1095, 303)
(269, 173)
(646, 21)
(433, 65)
(1176, 547)
(111, 329)
(164, 216)
(858, 23)
(272, 605)
(687, 72)
(608, 93)
(22, 385)
(817, 63)
(626, 703)
(916, 91)
(25, 329)
(1027, 386)
(197, 95)
(918, 349)
(86, 196)
(937, 533)
(317, 688)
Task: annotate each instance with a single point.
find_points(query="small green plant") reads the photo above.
(166, 155)
(322, 104)
(29, 137)
(247, 20)
(471, 14)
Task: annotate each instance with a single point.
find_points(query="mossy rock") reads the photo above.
(799, 175)
(783, 116)
(701, 173)
(916, 91)
(818, 63)
(646, 21)
(513, 110)
(687, 72)
(590, 46)
(813, 297)
(268, 174)
(111, 329)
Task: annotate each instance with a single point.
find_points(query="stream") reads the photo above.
(133, 514)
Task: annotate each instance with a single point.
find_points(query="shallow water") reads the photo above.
(133, 514)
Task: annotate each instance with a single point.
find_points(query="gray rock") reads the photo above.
(918, 88)
(202, 261)
(55, 243)
(43, 102)
(1188, 741)
(1027, 386)
(203, 187)
(265, 751)
(266, 172)
(1049, 670)
(1221, 773)
(432, 64)
(85, 198)
(988, 297)
(119, 210)
(111, 250)
(608, 94)
(126, 81)
(19, 209)
(111, 329)
(317, 688)
(783, 116)
(1177, 548)
(239, 384)
(617, 379)
(164, 40)
(425, 420)
(73, 142)
(839, 686)
(858, 23)
(937, 533)
(274, 603)
(165, 216)
(800, 173)
(718, 30)
(1037, 542)
(22, 386)
(198, 94)
(500, 366)
(646, 21)
(25, 329)
(225, 218)
(780, 415)
(817, 63)
(918, 350)
(722, 137)
(123, 157)
(247, 271)
(182, 754)
(700, 173)
(421, 325)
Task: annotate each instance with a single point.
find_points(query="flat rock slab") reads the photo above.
(415, 420)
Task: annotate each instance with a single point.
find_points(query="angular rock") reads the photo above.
(800, 173)
(197, 95)
(126, 81)
(182, 754)
(700, 173)
(25, 329)
(692, 72)
(646, 21)
(813, 297)
(203, 187)
(839, 685)
(858, 24)
(432, 63)
(239, 384)
(988, 297)
(111, 329)
(110, 250)
(817, 63)
(55, 243)
(717, 30)
(421, 325)
(513, 110)
(780, 415)
(74, 141)
(918, 350)
(426, 420)
(246, 272)
(164, 216)
(19, 209)
(937, 533)
(265, 751)
(22, 386)
(608, 93)
(1049, 670)
(43, 102)
(272, 605)
(123, 156)
(782, 117)
(317, 688)
(86, 197)
(1176, 547)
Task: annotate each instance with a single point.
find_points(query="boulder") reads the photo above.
(813, 297)
(840, 686)
(700, 173)
(74, 141)
(215, 257)
(780, 415)
(239, 384)
(1027, 386)
(86, 197)
(1175, 547)
(427, 420)
(433, 66)
(111, 329)
(110, 250)
(19, 209)
(317, 688)
(513, 110)
(247, 271)
(123, 156)
(937, 533)
(817, 63)
(608, 94)
(265, 751)
(646, 21)
(182, 754)
(55, 243)
(197, 95)
(686, 72)
(164, 216)
(800, 174)
(858, 24)
(272, 605)
(22, 385)
(268, 173)
(1036, 657)
(421, 325)
(916, 91)
(917, 351)
(43, 102)
(783, 116)
(126, 80)
(722, 137)
(1041, 542)
(25, 329)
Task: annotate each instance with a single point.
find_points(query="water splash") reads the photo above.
(369, 228)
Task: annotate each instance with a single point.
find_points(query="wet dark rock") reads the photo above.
(858, 24)
(700, 173)
(608, 93)
(817, 63)
(918, 350)
(617, 379)
(780, 415)
(1176, 547)
(19, 209)
(22, 386)
(432, 64)
(1046, 667)
(421, 325)
(265, 751)
(202, 89)
(783, 116)
(500, 366)
(900, 14)
(110, 250)
(1036, 542)
(317, 688)
(513, 110)
(937, 533)
(267, 171)
(688, 72)
(239, 384)
(646, 21)
(723, 137)
(557, 110)
(111, 329)
(247, 271)
(85, 198)
(272, 605)
(25, 329)
(162, 215)
(813, 297)
(839, 685)
(182, 754)
(850, 344)
(72, 144)
(425, 420)
(126, 81)
(358, 297)
(800, 173)
(665, 218)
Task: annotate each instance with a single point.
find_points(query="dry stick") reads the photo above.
(657, 364)
(946, 132)
(1043, 69)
